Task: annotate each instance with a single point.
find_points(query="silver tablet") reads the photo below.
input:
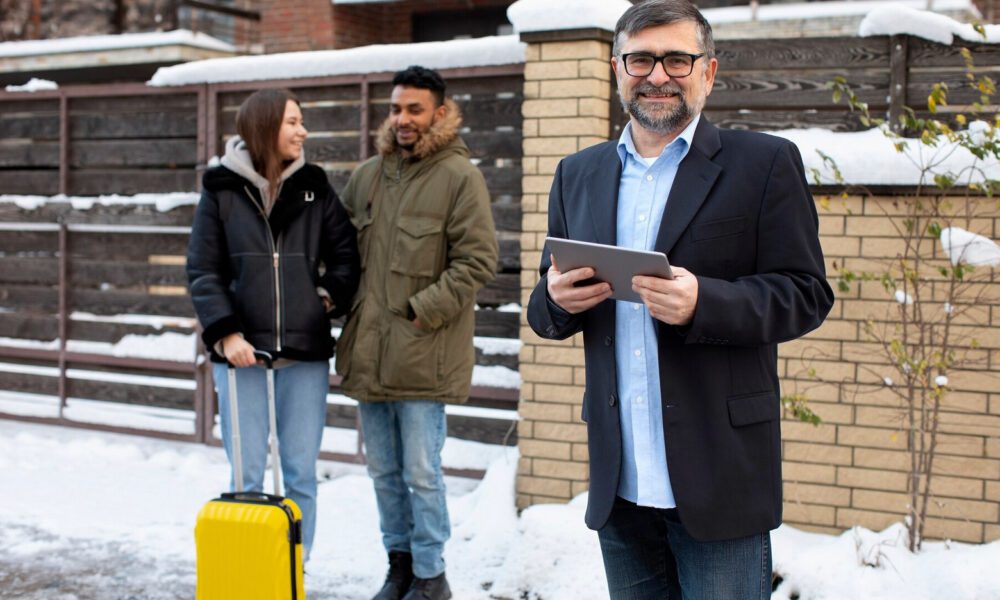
(612, 264)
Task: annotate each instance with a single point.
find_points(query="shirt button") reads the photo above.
(642, 217)
(636, 306)
(639, 400)
(638, 352)
(649, 177)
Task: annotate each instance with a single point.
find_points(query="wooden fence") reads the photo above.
(128, 259)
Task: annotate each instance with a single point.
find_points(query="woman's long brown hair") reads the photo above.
(258, 122)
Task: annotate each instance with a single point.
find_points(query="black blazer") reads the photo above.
(741, 218)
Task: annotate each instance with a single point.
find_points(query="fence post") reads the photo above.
(63, 310)
(898, 75)
(567, 104)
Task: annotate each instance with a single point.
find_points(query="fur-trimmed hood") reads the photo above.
(441, 134)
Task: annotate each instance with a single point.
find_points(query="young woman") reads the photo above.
(272, 258)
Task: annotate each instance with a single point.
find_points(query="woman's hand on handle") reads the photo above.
(238, 351)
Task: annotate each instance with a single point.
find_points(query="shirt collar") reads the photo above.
(626, 146)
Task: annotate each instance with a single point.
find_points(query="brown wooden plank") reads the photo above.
(493, 323)
(133, 125)
(118, 214)
(43, 182)
(799, 89)
(317, 119)
(28, 153)
(125, 275)
(93, 182)
(925, 53)
(30, 270)
(490, 113)
(178, 102)
(172, 153)
(113, 302)
(506, 288)
(494, 144)
(337, 149)
(142, 395)
(766, 120)
(507, 216)
(43, 243)
(502, 181)
(29, 299)
(921, 83)
(125, 246)
(29, 126)
(510, 256)
(804, 53)
(46, 327)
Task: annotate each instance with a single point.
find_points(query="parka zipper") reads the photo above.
(277, 271)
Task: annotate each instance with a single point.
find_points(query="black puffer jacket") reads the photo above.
(259, 275)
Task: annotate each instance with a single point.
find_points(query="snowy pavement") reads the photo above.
(87, 515)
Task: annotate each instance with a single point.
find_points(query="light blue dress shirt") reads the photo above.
(642, 198)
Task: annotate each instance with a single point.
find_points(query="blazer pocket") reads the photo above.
(718, 229)
(753, 408)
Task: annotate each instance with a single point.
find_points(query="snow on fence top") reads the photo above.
(895, 19)
(554, 15)
(34, 85)
(163, 202)
(820, 10)
(869, 158)
(97, 43)
(380, 58)
(549, 15)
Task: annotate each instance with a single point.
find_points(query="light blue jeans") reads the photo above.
(403, 441)
(300, 402)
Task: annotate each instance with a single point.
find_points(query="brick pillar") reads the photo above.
(567, 95)
(296, 25)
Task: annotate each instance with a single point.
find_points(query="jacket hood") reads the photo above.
(237, 159)
(441, 134)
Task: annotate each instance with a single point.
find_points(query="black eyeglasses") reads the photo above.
(676, 64)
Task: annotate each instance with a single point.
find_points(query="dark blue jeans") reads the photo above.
(649, 555)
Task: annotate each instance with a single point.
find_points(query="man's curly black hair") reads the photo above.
(422, 78)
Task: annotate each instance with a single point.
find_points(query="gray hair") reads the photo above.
(653, 13)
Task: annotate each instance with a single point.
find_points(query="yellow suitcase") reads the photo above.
(249, 545)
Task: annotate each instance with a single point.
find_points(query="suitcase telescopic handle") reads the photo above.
(236, 440)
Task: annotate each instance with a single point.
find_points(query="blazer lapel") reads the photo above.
(602, 194)
(695, 178)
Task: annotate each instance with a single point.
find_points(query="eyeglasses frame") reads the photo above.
(659, 59)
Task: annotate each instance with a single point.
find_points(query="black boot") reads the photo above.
(399, 577)
(435, 588)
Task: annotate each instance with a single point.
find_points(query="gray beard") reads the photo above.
(664, 122)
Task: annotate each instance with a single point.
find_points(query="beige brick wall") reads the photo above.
(566, 107)
(850, 470)
(867, 453)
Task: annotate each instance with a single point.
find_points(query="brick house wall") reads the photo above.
(363, 24)
(296, 25)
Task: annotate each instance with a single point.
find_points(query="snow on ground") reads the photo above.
(100, 516)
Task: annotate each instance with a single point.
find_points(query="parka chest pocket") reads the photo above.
(418, 245)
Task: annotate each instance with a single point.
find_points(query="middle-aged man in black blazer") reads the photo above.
(682, 400)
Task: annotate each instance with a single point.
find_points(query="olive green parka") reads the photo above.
(428, 244)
